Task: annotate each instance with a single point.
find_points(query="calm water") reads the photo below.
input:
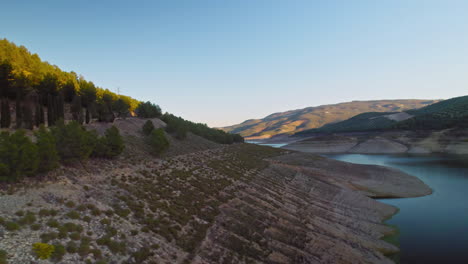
(434, 228)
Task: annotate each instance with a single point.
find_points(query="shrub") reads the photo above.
(71, 247)
(158, 141)
(110, 145)
(148, 127)
(58, 253)
(35, 227)
(71, 227)
(53, 223)
(28, 219)
(105, 221)
(73, 215)
(46, 237)
(141, 255)
(70, 204)
(44, 212)
(3, 257)
(43, 250)
(47, 150)
(83, 249)
(96, 253)
(74, 236)
(11, 226)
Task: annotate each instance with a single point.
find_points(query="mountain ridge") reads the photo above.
(444, 114)
(293, 121)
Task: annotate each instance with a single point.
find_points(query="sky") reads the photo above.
(222, 62)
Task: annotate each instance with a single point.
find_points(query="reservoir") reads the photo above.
(434, 228)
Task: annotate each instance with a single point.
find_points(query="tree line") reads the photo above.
(21, 157)
(179, 128)
(37, 93)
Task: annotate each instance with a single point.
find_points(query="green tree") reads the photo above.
(110, 145)
(148, 127)
(18, 156)
(76, 109)
(88, 116)
(38, 114)
(47, 150)
(69, 91)
(18, 109)
(6, 78)
(28, 122)
(148, 110)
(51, 115)
(158, 141)
(60, 106)
(105, 112)
(121, 107)
(5, 113)
(73, 141)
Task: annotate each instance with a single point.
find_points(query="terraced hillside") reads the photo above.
(290, 122)
(209, 204)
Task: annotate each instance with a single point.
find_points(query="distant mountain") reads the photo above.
(444, 114)
(294, 121)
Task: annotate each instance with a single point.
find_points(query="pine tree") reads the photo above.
(37, 114)
(110, 145)
(158, 141)
(60, 106)
(50, 111)
(19, 108)
(73, 141)
(5, 114)
(47, 150)
(88, 116)
(27, 117)
(18, 156)
(148, 127)
(41, 114)
(76, 109)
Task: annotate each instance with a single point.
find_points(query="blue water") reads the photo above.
(275, 145)
(434, 228)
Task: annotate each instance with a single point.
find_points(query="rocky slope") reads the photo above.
(290, 122)
(450, 141)
(205, 203)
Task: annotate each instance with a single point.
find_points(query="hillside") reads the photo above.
(441, 115)
(203, 202)
(294, 121)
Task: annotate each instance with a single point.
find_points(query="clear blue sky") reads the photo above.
(221, 62)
